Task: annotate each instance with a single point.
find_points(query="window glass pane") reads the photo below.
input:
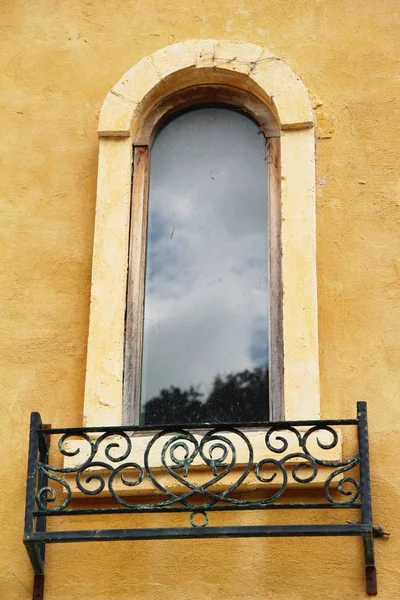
(205, 346)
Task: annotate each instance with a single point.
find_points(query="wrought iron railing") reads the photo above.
(198, 471)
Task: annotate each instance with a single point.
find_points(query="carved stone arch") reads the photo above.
(156, 77)
(194, 62)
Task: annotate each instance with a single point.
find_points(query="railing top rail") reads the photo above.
(198, 426)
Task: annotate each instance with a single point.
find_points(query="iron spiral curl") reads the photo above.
(199, 471)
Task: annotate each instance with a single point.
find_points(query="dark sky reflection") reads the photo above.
(206, 300)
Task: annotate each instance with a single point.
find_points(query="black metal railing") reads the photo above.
(198, 471)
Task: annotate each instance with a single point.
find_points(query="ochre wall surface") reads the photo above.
(58, 61)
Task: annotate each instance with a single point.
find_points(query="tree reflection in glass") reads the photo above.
(205, 345)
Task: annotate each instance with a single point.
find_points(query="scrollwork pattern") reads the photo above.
(174, 460)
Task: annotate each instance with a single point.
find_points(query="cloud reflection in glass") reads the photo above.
(205, 345)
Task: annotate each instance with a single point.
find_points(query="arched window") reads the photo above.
(198, 340)
(205, 351)
(132, 319)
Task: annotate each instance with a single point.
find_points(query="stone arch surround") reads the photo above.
(152, 79)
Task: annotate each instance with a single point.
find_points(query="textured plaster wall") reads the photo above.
(58, 60)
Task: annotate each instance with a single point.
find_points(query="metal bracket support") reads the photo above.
(38, 587)
(370, 578)
(370, 569)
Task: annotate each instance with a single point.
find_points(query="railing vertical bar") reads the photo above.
(366, 504)
(34, 550)
(44, 443)
(366, 507)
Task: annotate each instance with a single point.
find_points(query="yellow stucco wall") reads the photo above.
(58, 61)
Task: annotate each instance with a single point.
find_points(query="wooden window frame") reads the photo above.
(152, 120)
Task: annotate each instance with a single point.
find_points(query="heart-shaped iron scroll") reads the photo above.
(215, 452)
